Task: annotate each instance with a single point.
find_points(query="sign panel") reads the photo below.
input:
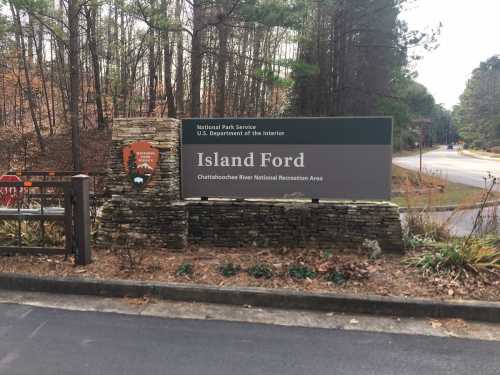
(320, 158)
(140, 160)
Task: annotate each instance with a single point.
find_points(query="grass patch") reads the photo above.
(444, 193)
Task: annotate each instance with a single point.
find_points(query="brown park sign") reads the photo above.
(140, 160)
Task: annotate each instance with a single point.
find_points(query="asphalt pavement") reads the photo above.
(452, 165)
(50, 341)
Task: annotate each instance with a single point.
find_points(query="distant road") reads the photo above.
(452, 166)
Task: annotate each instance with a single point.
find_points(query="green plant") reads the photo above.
(300, 271)
(31, 233)
(185, 269)
(336, 277)
(416, 241)
(261, 270)
(327, 254)
(229, 269)
(459, 258)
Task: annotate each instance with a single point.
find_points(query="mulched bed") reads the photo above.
(386, 276)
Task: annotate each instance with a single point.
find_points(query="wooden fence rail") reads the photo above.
(74, 216)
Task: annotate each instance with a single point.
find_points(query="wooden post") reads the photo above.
(80, 184)
(68, 220)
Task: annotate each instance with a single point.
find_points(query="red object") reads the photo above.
(9, 196)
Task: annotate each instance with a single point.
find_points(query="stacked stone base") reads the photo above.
(144, 223)
(252, 224)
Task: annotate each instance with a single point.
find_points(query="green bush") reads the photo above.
(261, 270)
(299, 271)
(229, 269)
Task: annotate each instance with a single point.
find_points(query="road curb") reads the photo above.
(280, 298)
(478, 156)
(450, 208)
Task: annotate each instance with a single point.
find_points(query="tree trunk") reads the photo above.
(179, 72)
(167, 67)
(31, 100)
(152, 74)
(90, 15)
(74, 77)
(39, 55)
(220, 86)
(196, 58)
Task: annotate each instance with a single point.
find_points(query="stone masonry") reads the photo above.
(153, 215)
(293, 224)
(156, 216)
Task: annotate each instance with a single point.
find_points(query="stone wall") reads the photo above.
(293, 224)
(153, 215)
(156, 215)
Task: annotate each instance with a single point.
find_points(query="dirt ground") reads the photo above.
(386, 276)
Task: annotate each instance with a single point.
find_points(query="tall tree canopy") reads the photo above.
(68, 65)
(478, 114)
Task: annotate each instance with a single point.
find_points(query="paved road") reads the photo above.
(453, 166)
(51, 342)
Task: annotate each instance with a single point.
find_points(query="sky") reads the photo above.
(470, 34)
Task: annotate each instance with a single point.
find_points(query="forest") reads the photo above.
(477, 116)
(68, 67)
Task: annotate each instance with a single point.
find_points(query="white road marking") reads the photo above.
(6, 361)
(36, 330)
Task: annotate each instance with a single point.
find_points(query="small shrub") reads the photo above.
(420, 222)
(336, 277)
(301, 272)
(229, 269)
(448, 258)
(261, 270)
(460, 257)
(327, 254)
(342, 273)
(495, 149)
(419, 218)
(185, 269)
(31, 233)
(130, 258)
(477, 144)
(416, 241)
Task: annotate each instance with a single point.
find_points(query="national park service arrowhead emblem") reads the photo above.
(140, 160)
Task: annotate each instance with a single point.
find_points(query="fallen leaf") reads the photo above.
(436, 324)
